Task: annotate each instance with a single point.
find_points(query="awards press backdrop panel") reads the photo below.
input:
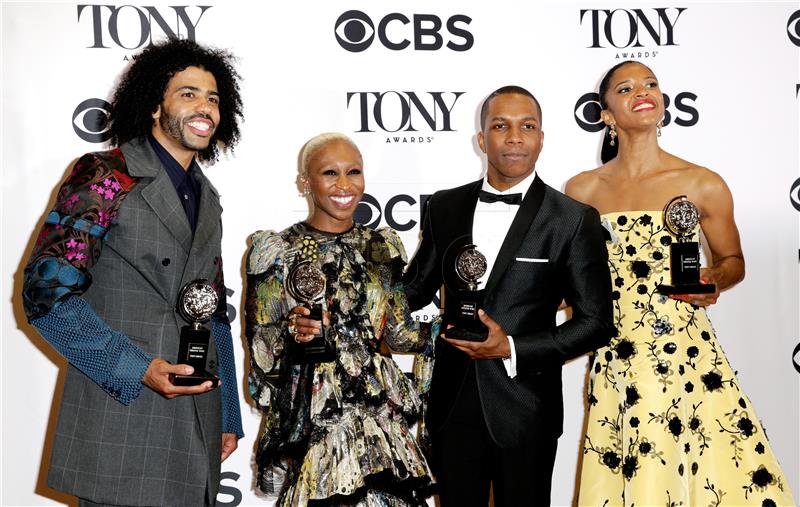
(404, 80)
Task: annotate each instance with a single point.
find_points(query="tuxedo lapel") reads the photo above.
(461, 213)
(517, 232)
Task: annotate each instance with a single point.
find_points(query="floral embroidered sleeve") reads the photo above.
(66, 248)
(265, 315)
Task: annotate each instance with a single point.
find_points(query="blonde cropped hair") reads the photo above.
(315, 144)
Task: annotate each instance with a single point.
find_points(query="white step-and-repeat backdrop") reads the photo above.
(404, 80)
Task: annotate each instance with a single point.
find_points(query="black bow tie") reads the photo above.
(485, 196)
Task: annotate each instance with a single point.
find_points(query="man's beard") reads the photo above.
(173, 127)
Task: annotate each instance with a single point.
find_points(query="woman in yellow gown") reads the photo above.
(668, 423)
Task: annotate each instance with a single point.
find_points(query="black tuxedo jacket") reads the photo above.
(523, 297)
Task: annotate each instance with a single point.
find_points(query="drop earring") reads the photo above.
(612, 133)
(658, 127)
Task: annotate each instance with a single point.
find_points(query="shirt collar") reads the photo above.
(520, 188)
(173, 168)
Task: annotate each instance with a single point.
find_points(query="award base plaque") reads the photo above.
(693, 288)
(194, 352)
(318, 350)
(681, 216)
(467, 324)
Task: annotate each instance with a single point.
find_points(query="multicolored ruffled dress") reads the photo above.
(668, 424)
(337, 433)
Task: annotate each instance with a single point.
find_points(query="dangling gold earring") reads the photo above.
(658, 127)
(612, 133)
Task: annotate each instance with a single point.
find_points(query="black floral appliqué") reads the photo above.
(762, 477)
(631, 396)
(629, 466)
(675, 426)
(611, 459)
(625, 349)
(745, 426)
(712, 380)
(640, 269)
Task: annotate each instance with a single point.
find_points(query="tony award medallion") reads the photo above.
(681, 217)
(197, 302)
(469, 265)
(306, 284)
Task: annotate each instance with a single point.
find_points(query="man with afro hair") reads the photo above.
(130, 228)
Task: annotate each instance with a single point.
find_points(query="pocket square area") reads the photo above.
(531, 259)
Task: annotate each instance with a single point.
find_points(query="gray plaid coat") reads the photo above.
(155, 451)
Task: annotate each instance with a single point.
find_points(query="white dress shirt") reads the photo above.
(489, 228)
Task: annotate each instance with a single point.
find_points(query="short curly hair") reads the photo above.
(141, 91)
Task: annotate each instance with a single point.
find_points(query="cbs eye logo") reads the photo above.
(588, 108)
(90, 120)
(369, 214)
(794, 194)
(793, 28)
(796, 358)
(355, 32)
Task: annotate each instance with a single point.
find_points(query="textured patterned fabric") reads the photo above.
(231, 414)
(111, 258)
(336, 430)
(106, 356)
(668, 423)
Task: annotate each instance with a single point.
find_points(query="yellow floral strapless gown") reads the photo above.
(668, 424)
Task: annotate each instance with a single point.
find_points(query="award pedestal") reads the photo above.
(194, 352)
(467, 324)
(318, 350)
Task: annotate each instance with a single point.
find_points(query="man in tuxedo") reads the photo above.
(495, 407)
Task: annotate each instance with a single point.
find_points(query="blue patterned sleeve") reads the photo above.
(231, 412)
(106, 356)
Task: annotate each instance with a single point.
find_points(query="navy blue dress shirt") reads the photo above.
(185, 184)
